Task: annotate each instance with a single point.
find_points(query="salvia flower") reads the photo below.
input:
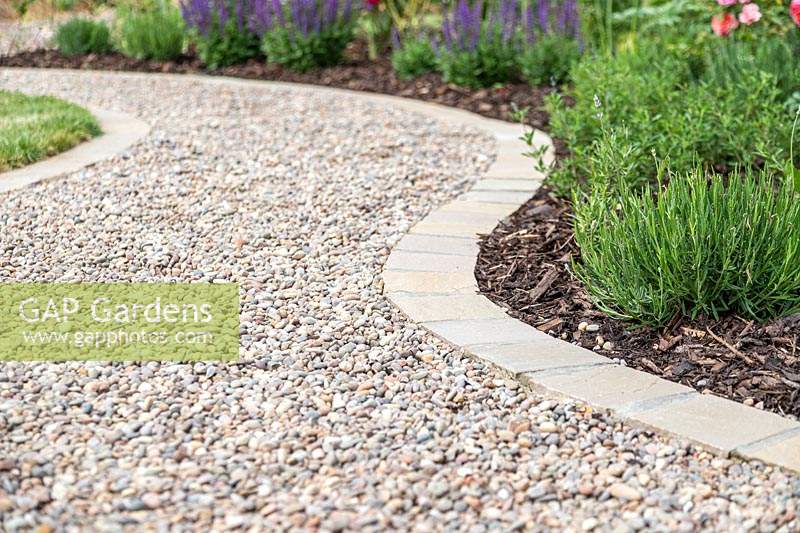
(312, 16)
(466, 24)
(542, 18)
(250, 15)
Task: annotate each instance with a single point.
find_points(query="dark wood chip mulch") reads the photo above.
(525, 266)
(358, 74)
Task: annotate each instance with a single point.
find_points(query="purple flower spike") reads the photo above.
(468, 22)
(543, 13)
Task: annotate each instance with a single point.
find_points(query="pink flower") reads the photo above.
(726, 2)
(373, 3)
(750, 14)
(725, 24)
(794, 11)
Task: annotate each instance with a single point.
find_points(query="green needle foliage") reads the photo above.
(154, 32)
(80, 36)
(35, 127)
(699, 246)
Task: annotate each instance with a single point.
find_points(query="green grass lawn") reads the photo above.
(35, 127)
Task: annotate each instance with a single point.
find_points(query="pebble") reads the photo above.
(548, 427)
(621, 490)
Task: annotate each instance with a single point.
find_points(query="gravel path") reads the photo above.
(340, 415)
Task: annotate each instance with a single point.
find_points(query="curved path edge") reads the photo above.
(119, 132)
(429, 276)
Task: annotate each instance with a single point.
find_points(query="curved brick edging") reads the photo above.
(430, 276)
(119, 131)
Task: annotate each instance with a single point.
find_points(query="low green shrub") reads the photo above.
(730, 63)
(83, 36)
(224, 32)
(699, 246)
(155, 32)
(491, 62)
(227, 45)
(655, 95)
(550, 60)
(324, 49)
(413, 58)
(311, 34)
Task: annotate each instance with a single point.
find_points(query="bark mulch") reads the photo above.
(358, 74)
(524, 265)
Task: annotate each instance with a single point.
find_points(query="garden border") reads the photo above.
(429, 276)
(119, 131)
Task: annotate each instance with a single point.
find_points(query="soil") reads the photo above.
(524, 266)
(358, 73)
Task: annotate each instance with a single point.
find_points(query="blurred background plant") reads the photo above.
(553, 42)
(483, 44)
(44, 9)
(83, 36)
(309, 34)
(150, 30)
(385, 18)
(375, 26)
(479, 49)
(225, 32)
(413, 56)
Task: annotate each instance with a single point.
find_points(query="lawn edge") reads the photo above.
(119, 131)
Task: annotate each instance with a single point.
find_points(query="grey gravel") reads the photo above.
(340, 414)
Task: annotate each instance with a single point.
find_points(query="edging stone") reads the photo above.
(119, 132)
(429, 276)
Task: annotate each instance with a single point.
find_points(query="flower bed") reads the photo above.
(525, 266)
(472, 43)
(482, 56)
(668, 234)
